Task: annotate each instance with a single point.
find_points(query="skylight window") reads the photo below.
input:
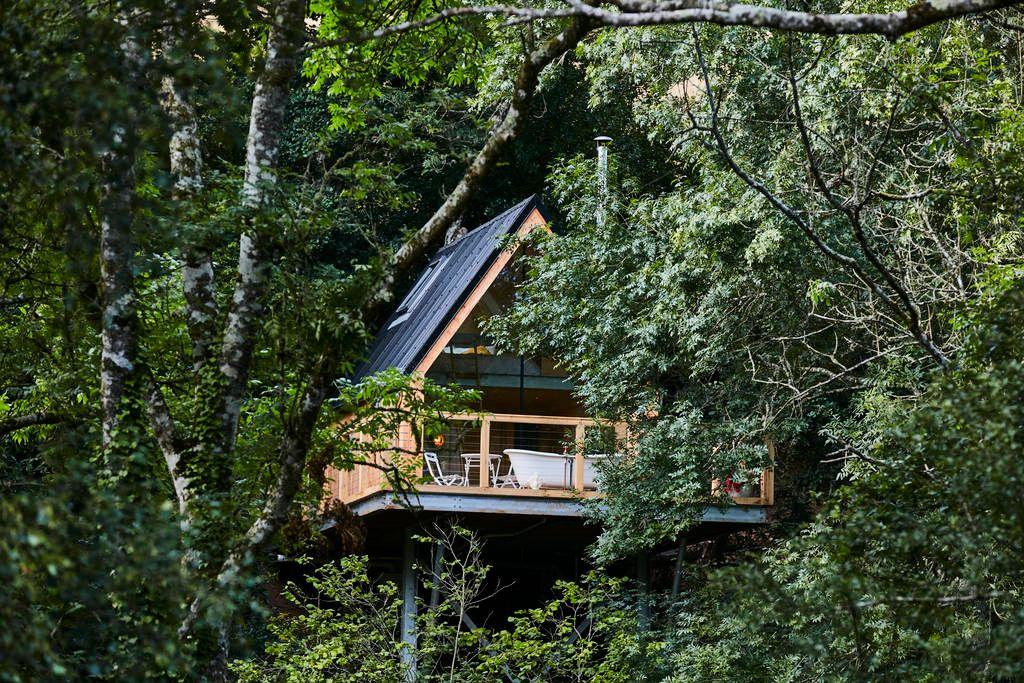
(413, 298)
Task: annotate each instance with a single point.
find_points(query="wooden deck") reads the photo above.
(365, 489)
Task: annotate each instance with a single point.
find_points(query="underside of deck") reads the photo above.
(531, 539)
(552, 503)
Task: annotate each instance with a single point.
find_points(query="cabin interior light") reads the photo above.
(439, 440)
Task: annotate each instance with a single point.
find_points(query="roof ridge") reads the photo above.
(517, 207)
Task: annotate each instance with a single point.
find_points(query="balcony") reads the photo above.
(527, 454)
(529, 457)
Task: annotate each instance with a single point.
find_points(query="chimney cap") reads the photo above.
(602, 139)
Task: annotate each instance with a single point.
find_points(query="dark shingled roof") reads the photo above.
(442, 287)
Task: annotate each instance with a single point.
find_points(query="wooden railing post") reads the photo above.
(485, 453)
(358, 470)
(621, 434)
(768, 477)
(405, 457)
(577, 470)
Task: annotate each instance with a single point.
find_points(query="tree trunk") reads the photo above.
(186, 160)
(118, 326)
(292, 454)
(266, 121)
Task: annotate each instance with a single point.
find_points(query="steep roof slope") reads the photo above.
(443, 286)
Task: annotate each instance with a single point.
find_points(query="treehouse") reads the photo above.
(518, 469)
(530, 449)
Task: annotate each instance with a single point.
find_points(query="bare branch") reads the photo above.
(911, 310)
(643, 13)
(891, 25)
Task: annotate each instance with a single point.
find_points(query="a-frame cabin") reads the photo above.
(531, 425)
(526, 499)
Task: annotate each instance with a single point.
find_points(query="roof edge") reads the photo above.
(420, 338)
(526, 207)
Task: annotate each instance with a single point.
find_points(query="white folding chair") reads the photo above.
(472, 460)
(509, 480)
(438, 475)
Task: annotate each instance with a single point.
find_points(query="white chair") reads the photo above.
(509, 480)
(438, 475)
(472, 461)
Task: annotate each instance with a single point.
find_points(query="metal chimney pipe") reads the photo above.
(602, 175)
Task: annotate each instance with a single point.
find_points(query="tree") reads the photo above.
(821, 268)
(165, 219)
(198, 244)
(345, 628)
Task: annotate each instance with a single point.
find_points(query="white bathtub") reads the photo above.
(538, 469)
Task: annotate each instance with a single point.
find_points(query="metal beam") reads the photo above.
(503, 381)
(485, 504)
(433, 501)
(736, 514)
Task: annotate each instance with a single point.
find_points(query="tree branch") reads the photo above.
(892, 25)
(13, 424)
(907, 307)
(497, 141)
(164, 430)
(844, 259)
(292, 452)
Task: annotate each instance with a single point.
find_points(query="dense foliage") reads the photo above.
(814, 241)
(837, 266)
(347, 629)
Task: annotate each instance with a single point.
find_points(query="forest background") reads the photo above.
(813, 234)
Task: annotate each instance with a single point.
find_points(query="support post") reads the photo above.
(408, 627)
(768, 477)
(435, 588)
(680, 561)
(577, 471)
(485, 453)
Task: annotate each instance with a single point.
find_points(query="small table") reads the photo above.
(471, 460)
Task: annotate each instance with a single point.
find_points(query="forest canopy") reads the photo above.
(810, 236)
